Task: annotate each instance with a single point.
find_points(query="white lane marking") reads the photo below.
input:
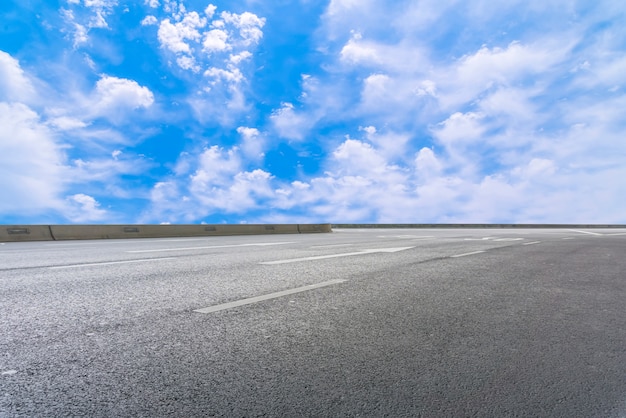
(259, 244)
(585, 232)
(508, 239)
(145, 260)
(478, 239)
(331, 245)
(118, 241)
(275, 295)
(405, 236)
(568, 238)
(466, 254)
(322, 257)
(532, 243)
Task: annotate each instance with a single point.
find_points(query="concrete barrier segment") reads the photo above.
(314, 228)
(10, 233)
(17, 233)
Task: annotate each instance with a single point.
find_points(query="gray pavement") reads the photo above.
(377, 322)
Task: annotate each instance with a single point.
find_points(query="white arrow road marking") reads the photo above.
(322, 257)
(585, 232)
(275, 295)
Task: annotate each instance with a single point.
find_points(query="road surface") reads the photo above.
(377, 322)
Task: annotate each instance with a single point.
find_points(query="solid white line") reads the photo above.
(322, 257)
(260, 244)
(532, 243)
(585, 232)
(466, 254)
(275, 295)
(144, 260)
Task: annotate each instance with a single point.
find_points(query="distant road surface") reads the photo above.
(371, 323)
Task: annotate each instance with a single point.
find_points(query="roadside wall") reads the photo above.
(16, 233)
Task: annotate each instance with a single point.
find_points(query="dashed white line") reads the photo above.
(144, 260)
(269, 296)
(466, 254)
(332, 246)
(508, 239)
(532, 243)
(260, 244)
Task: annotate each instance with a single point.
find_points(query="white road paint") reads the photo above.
(210, 247)
(143, 260)
(406, 236)
(466, 254)
(269, 296)
(585, 232)
(532, 243)
(478, 239)
(322, 257)
(332, 246)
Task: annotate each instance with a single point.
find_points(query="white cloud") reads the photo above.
(290, 124)
(149, 21)
(32, 166)
(356, 52)
(174, 36)
(249, 26)
(152, 3)
(82, 18)
(461, 129)
(210, 10)
(84, 208)
(66, 123)
(252, 144)
(215, 40)
(14, 84)
(113, 97)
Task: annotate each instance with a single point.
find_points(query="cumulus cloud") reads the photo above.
(32, 165)
(83, 208)
(175, 36)
(114, 97)
(14, 84)
(252, 145)
(149, 21)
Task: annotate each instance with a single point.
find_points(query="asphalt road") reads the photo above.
(432, 323)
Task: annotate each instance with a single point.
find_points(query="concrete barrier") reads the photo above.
(10, 233)
(17, 233)
(313, 228)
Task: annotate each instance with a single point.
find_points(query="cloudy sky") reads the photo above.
(162, 111)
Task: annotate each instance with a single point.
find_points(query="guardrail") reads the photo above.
(17, 233)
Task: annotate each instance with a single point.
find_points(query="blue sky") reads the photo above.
(160, 111)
